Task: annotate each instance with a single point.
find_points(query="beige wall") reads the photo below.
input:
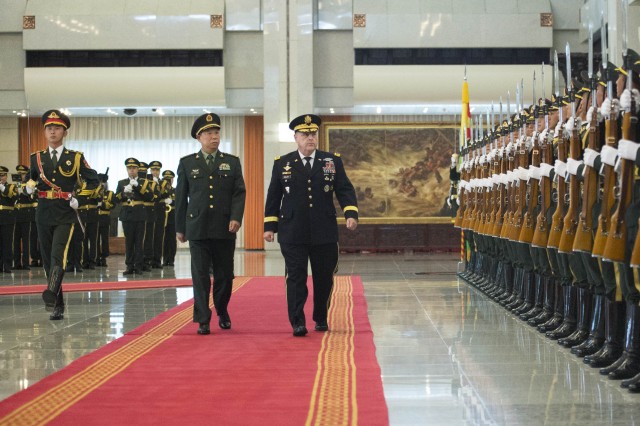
(9, 143)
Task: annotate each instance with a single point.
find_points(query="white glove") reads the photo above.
(569, 126)
(610, 107)
(128, 189)
(545, 169)
(2, 187)
(99, 203)
(608, 154)
(628, 149)
(167, 200)
(29, 189)
(20, 189)
(573, 166)
(156, 180)
(449, 202)
(73, 202)
(558, 129)
(636, 98)
(590, 156)
(133, 182)
(625, 100)
(534, 173)
(590, 114)
(454, 160)
(561, 168)
(543, 136)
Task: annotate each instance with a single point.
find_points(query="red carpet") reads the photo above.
(98, 286)
(257, 373)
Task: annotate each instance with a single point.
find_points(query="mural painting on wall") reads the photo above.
(400, 171)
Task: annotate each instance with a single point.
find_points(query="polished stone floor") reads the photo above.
(449, 355)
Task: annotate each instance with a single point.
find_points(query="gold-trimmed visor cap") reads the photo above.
(204, 122)
(306, 123)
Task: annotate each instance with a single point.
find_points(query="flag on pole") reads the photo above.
(465, 117)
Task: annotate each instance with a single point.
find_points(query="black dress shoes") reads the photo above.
(224, 321)
(322, 326)
(58, 313)
(129, 272)
(204, 329)
(300, 331)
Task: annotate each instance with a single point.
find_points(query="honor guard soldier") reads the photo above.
(25, 215)
(210, 198)
(149, 215)
(8, 196)
(300, 208)
(54, 173)
(169, 245)
(159, 215)
(133, 192)
(105, 205)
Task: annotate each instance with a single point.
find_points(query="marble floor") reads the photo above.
(449, 355)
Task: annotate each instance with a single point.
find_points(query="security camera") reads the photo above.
(130, 111)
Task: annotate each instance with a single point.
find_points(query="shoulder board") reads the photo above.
(189, 156)
(72, 151)
(336, 154)
(223, 154)
(277, 158)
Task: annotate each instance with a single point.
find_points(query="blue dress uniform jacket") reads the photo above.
(299, 207)
(207, 199)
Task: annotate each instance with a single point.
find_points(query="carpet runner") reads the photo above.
(256, 373)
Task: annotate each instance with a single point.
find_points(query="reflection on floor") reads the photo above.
(449, 355)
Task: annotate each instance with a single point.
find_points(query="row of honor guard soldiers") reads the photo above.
(19, 247)
(549, 203)
(147, 215)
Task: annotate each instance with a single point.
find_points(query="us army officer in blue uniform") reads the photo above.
(300, 208)
(210, 197)
(54, 175)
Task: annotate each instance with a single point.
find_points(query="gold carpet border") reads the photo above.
(333, 398)
(56, 400)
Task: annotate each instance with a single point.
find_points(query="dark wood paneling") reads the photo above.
(425, 237)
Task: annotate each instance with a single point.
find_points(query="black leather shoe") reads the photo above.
(204, 329)
(146, 268)
(58, 313)
(224, 321)
(129, 272)
(26, 268)
(156, 266)
(300, 331)
(322, 326)
(34, 263)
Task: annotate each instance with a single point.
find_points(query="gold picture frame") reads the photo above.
(400, 170)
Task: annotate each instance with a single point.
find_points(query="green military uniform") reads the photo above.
(8, 196)
(169, 244)
(208, 197)
(54, 177)
(25, 215)
(132, 194)
(105, 205)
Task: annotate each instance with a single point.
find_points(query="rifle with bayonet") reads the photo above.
(608, 155)
(528, 227)
(570, 222)
(500, 166)
(584, 234)
(541, 234)
(615, 249)
(555, 232)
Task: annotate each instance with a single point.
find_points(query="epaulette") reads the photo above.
(277, 158)
(222, 154)
(337, 154)
(190, 155)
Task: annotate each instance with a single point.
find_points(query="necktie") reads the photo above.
(54, 158)
(307, 164)
(209, 161)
